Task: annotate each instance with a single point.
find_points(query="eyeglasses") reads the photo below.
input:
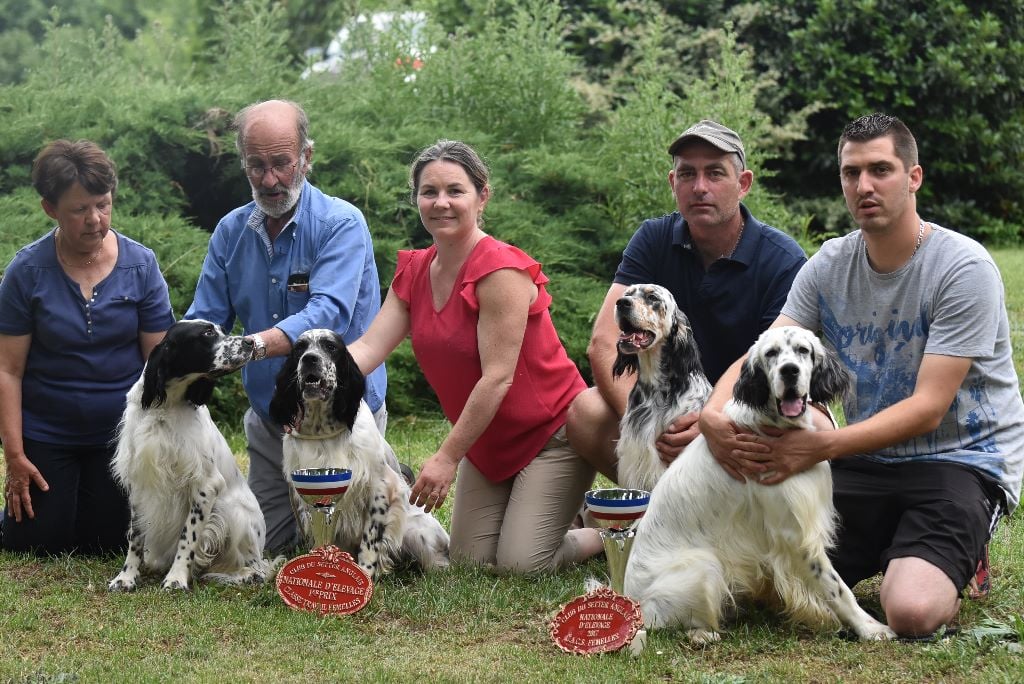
(280, 170)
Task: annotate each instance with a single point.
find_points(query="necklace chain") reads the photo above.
(735, 245)
(64, 261)
(920, 236)
(920, 239)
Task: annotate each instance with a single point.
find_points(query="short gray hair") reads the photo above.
(301, 119)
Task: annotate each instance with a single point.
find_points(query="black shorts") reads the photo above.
(941, 512)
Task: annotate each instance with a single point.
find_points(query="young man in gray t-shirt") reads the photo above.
(934, 447)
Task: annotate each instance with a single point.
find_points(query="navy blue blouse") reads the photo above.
(84, 354)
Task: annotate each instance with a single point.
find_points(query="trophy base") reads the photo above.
(326, 581)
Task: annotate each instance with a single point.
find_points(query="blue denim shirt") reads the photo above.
(245, 277)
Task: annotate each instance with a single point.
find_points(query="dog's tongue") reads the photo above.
(629, 338)
(792, 408)
(637, 339)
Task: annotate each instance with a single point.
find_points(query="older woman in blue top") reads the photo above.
(80, 310)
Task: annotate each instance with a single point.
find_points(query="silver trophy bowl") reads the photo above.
(322, 489)
(617, 511)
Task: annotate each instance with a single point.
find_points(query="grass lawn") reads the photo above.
(58, 623)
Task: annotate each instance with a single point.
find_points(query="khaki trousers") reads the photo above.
(520, 525)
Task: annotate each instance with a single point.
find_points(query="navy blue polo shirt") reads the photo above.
(732, 302)
(84, 354)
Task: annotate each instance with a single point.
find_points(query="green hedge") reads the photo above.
(571, 178)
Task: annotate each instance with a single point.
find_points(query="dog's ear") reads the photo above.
(284, 405)
(200, 391)
(349, 392)
(625, 363)
(752, 387)
(830, 380)
(154, 390)
(681, 355)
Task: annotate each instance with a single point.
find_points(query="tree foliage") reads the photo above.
(951, 69)
(573, 108)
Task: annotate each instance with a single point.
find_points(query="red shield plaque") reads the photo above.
(327, 581)
(597, 622)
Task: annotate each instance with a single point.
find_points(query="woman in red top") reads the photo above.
(477, 312)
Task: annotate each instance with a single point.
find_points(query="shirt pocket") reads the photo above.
(297, 301)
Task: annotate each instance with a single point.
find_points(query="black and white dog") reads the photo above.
(318, 397)
(708, 539)
(192, 510)
(657, 344)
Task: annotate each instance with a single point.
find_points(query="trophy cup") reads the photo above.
(326, 580)
(321, 488)
(617, 512)
(604, 619)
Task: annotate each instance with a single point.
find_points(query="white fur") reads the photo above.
(670, 382)
(374, 520)
(192, 510)
(708, 539)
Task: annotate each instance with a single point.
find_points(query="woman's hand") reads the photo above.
(436, 478)
(20, 473)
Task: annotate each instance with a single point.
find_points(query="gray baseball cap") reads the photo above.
(714, 133)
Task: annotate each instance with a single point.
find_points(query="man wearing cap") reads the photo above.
(729, 273)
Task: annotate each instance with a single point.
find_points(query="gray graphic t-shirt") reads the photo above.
(947, 300)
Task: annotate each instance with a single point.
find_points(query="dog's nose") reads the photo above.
(624, 304)
(789, 370)
(309, 360)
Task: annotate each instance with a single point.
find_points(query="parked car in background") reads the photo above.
(366, 35)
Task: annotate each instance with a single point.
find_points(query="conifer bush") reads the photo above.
(571, 178)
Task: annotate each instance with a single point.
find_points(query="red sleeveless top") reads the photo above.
(445, 345)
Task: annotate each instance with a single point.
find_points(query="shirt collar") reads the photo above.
(258, 220)
(744, 250)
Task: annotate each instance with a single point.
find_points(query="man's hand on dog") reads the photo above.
(677, 436)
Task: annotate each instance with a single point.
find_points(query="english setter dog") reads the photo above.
(708, 539)
(318, 397)
(657, 344)
(192, 511)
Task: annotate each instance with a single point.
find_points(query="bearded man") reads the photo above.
(291, 260)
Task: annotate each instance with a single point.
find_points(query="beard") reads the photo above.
(277, 208)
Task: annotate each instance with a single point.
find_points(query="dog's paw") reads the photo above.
(699, 636)
(122, 582)
(275, 564)
(875, 631)
(372, 570)
(174, 584)
(639, 643)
